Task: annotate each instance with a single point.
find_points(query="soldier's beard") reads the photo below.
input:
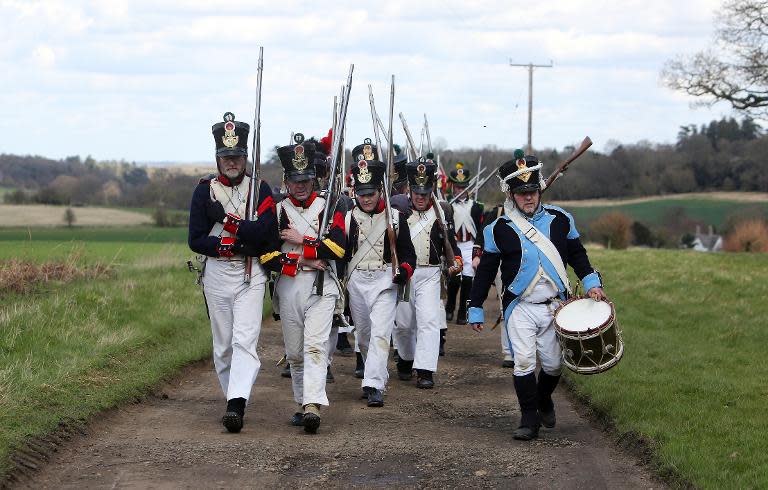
(233, 173)
(533, 206)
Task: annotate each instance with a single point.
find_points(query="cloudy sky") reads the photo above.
(144, 80)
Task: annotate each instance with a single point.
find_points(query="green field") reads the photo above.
(692, 380)
(132, 234)
(652, 213)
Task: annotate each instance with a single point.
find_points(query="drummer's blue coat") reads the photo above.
(506, 246)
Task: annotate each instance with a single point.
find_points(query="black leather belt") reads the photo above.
(547, 302)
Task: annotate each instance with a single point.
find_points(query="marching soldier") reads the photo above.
(303, 253)
(468, 219)
(417, 327)
(496, 212)
(234, 306)
(338, 339)
(371, 286)
(534, 243)
(400, 177)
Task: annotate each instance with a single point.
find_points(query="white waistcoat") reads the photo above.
(371, 234)
(420, 224)
(462, 218)
(305, 221)
(234, 200)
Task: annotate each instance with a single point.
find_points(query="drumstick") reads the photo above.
(498, 321)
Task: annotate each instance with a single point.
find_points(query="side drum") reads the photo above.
(589, 335)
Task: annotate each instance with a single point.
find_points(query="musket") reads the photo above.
(479, 186)
(387, 180)
(335, 120)
(564, 165)
(378, 123)
(440, 174)
(470, 186)
(342, 172)
(255, 183)
(408, 136)
(330, 204)
(449, 254)
(479, 170)
(426, 130)
(374, 118)
(440, 170)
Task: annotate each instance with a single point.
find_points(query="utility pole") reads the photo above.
(530, 67)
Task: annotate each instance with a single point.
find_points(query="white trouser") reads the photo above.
(306, 319)
(417, 325)
(441, 313)
(531, 330)
(372, 302)
(441, 308)
(235, 309)
(333, 339)
(466, 256)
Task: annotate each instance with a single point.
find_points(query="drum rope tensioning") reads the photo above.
(589, 335)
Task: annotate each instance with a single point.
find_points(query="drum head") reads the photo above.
(583, 315)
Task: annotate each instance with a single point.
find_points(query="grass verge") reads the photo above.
(72, 350)
(692, 381)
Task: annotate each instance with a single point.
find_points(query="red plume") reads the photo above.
(327, 141)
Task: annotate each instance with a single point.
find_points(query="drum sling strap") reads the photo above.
(541, 242)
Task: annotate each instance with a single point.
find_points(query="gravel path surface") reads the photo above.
(457, 435)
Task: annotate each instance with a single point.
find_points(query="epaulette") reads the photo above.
(207, 178)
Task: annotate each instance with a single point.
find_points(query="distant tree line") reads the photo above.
(77, 182)
(722, 155)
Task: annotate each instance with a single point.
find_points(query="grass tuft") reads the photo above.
(23, 276)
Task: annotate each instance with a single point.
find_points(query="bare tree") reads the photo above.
(735, 68)
(69, 217)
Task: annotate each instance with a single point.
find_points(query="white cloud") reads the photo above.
(44, 56)
(145, 79)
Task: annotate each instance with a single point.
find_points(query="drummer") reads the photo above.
(534, 243)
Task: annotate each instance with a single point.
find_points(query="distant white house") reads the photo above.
(707, 242)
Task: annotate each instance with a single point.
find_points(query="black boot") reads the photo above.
(311, 420)
(404, 370)
(546, 386)
(466, 287)
(375, 397)
(442, 341)
(343, 345)
(286, 372)
(359, 366)
(454, 284)
(424, 379)
(527, 396)
(233, 417)
(329, 376)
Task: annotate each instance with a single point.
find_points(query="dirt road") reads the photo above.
(457, 435)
